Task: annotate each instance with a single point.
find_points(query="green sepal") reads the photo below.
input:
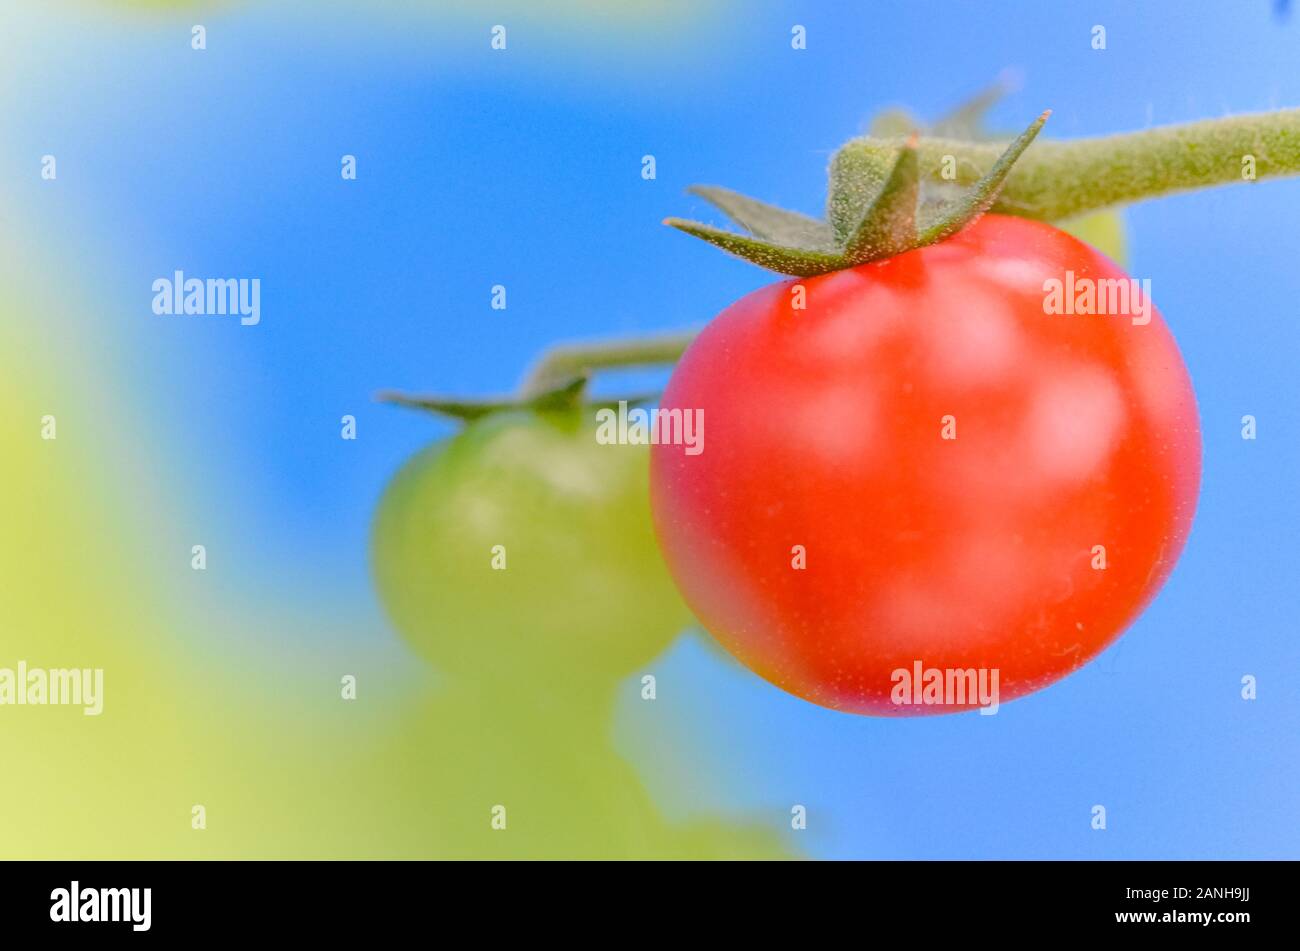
(889, 225)
(765, 221)
(894, 122)
(801, 262)
(968, 120)
(858, 171)
(879, 204)
(952, 216)
(565, 397)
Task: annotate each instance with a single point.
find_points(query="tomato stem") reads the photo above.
(961, 178)
(579, 359)
(1057, 179)
(558, 383)
(1052, 181)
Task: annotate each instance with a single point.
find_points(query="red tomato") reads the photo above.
(825, 428)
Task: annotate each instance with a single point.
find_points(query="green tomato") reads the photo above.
(1104, 230)
(522, 550)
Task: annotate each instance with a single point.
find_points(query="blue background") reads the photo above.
(523, 168)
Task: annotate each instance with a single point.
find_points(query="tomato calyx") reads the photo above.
(566, 397)
(878, 206)
(559, 379)
(871, 213)
(957, 174)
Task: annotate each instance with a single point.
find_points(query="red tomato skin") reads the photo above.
(824, 429)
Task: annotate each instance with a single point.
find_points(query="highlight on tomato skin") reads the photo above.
(929, 464)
